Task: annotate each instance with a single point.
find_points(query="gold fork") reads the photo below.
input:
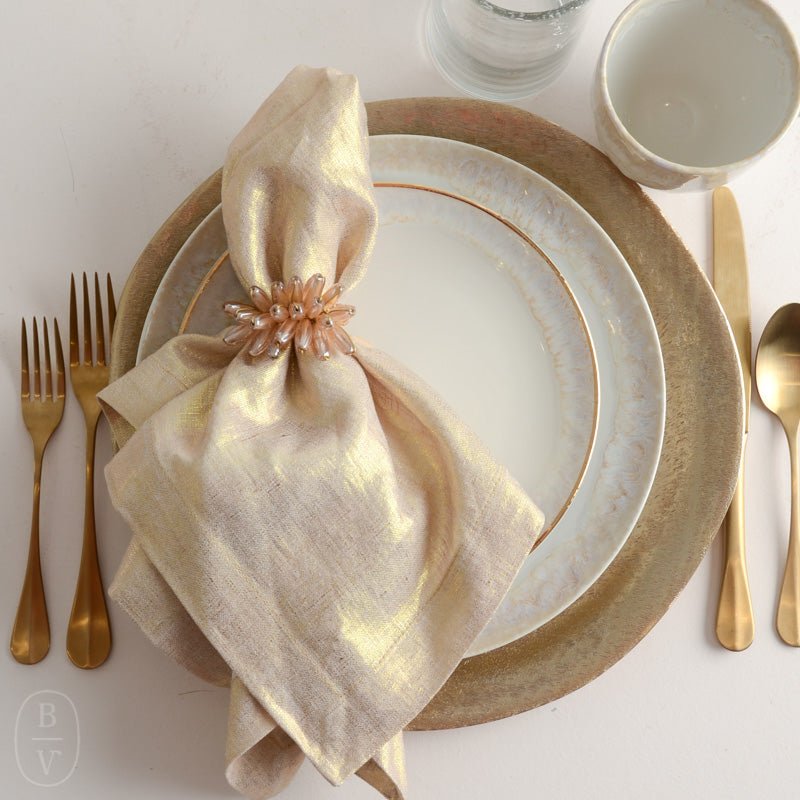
(30, 639)
(89, 631)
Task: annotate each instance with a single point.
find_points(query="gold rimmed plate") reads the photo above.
(494, 306)
(593, 517)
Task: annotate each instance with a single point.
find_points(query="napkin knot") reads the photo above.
(295, 312)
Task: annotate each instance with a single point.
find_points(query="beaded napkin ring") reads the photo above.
(298, 312)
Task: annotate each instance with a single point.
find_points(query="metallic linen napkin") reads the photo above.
(326, 537)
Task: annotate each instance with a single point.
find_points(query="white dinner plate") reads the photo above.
(513, 321)
(495, 386)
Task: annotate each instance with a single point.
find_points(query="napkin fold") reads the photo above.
(325, 537)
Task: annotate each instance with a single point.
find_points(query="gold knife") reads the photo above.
(735, 627)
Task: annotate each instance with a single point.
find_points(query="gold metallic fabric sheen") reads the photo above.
(327, 538)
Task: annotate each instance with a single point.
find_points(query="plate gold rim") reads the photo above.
(573, 491)
(702, 441)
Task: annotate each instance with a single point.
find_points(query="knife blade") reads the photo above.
(735, 626)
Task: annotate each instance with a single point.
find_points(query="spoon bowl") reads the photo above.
(778, 364)
(778, 382)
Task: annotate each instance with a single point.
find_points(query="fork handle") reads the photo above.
(735, 625)
(89, 631)
(30, 638)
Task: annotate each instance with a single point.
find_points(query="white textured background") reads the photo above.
(110, 113)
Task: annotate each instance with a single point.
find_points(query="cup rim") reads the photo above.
(661, 161)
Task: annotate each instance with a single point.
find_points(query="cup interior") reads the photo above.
(703, 83)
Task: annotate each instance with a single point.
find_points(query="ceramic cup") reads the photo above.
(688, 93)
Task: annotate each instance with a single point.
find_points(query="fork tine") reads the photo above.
(73, 324)
(99, 323)
(112, 306)
(26, 380)
(60, 385)
(48, 367)
(87, 324)
(37, 375)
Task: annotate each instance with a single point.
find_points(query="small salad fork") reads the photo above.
(42, 412)
(89, 630)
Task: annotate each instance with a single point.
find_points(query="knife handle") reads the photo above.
(735, 626)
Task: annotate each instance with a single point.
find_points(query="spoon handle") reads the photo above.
(789, 605)
(735, 626)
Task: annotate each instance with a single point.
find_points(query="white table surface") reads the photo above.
(111, 113)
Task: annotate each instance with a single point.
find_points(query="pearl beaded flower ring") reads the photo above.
(297, 312)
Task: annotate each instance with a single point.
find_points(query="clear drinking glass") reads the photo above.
(503, 52)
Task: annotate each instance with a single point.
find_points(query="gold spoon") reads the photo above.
(778, 381)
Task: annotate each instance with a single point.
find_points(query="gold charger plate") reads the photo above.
(704, 420)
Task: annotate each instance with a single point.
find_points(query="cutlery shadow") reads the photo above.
(716, 559)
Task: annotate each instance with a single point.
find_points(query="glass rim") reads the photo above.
(530, 16)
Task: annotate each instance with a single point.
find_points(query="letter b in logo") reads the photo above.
(47, 715)
(47, 738)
